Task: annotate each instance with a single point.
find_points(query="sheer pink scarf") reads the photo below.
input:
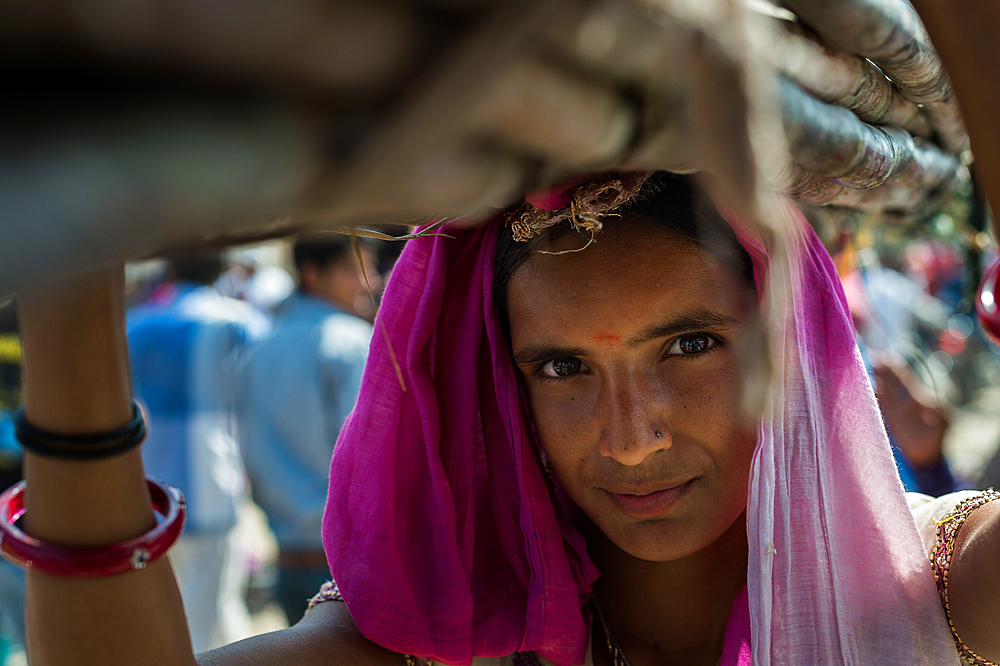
(445, 541)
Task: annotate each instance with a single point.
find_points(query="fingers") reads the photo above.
(916, 422)
(339, 126)
(543, 111)
(99, 187)
(328, 112)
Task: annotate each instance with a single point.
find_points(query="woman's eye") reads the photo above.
(693, 343)
(563, 367)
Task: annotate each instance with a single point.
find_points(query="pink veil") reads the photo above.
(837, 571)
(446, 543)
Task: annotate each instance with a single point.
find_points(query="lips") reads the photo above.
(651, 504)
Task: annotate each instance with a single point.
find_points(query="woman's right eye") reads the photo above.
(562, 367)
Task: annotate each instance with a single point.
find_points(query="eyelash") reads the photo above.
(540, 369)
(714, 341)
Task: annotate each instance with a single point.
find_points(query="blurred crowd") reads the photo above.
(911, 296)
(245, 375)
(246, 364)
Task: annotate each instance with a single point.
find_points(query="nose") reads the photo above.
(635, 424)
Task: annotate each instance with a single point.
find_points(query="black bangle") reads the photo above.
(80, 447)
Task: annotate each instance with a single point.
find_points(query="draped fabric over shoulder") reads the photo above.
(837, 571)
(445, 541)
(440, 529)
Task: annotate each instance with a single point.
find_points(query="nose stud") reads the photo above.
(658, 433)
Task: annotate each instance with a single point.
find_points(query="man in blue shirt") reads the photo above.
(186, 345)
(301, 384)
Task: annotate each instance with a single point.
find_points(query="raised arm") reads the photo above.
(77, 382)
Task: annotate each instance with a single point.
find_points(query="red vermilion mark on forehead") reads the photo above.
(607, 337)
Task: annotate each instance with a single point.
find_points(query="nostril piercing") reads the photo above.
(659, 433)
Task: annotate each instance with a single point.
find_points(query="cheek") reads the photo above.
(711, 413)
(565, 421)
(735, 438)
(709, 394)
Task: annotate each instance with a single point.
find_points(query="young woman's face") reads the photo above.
(632, 354)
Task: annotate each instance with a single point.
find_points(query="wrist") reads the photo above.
(86, 503)
(105, 560)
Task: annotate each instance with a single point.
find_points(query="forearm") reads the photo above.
(964, 33)
(77, 381)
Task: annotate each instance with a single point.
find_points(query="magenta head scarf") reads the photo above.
(445, 541)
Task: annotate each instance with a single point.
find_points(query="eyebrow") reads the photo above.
(687, 322)
(532, 353)
(699, 319)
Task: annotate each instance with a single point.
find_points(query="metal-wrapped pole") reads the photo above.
(931, 172)
(821, 192)
(835, 152)
(528, 93)
(831, 142)
(889, 33)
(846, 80)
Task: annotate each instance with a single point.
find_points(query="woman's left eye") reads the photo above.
(691, 344)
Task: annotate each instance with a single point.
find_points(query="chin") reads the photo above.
(672, 539)
(660, 541)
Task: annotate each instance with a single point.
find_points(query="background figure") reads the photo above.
(887, 309)
(11, 576)
(187, 342)
(916, 423)
(991, 475)
(895, 309)
(301, 384)
(253, 276)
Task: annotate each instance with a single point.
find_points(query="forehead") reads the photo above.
(638, 271)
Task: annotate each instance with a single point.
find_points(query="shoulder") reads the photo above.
(209, 305)
(329, 601)
(343, 335)
(326, 636)
(333, 621)
(963, 530)
(970, 590)
(333, 628)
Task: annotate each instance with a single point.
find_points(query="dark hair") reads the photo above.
(675, 202)
(320, 249)
(201, 267)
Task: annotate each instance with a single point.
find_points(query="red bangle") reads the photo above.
(116, 558)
